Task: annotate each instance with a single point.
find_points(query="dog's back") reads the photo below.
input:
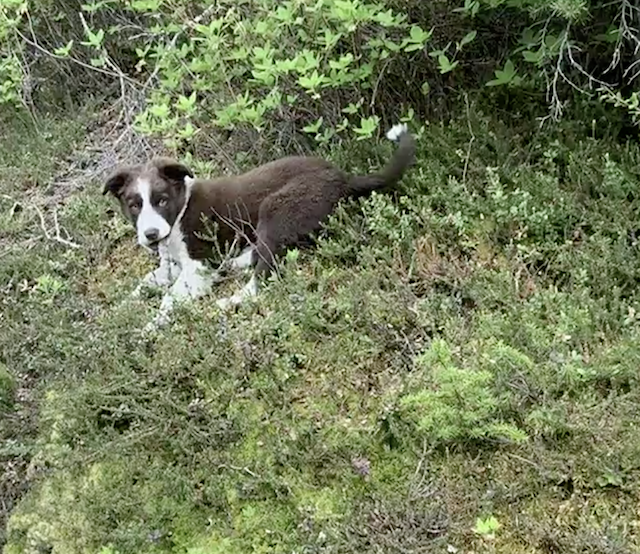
(234, 201)
(293, 194)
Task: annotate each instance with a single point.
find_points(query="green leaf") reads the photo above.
(285, 66)
(312, 82)
(186, 104)
(188, 131)
(342, 126)
(395, 47)
(533, 57)
(611, 36)
(551, 41)
(418, 35)
(95, 6)
(413, 47)
(469, 37)
(470, 8)
(159, 110)
(313, 127)
(284, 13)
(262, 53)
(342, 63)
(530, 37)
(146, 5)
(505, 76)
(98, 62)
(95, 39)
(353, 108)
(367, 127)
(409, 116)
(509, 70)
(64, 50)
(292, 255)
(486, 527)
(445, 65)
(385, 19)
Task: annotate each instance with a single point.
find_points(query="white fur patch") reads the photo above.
(193, 278)
(244, 260)
(250, 290)
(397, 131)
(149, 219)
(164, 275)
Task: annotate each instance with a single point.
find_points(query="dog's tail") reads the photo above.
(394, 170)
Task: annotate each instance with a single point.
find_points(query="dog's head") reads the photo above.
(151, 196)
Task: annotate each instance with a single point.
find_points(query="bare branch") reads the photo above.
(626, 33)
(56, 236)
(471, 141)
(42, 49)
(579, 67)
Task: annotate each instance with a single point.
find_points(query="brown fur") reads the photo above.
(274, 206)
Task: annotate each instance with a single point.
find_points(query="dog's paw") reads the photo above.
(397, 131)
(136, 293)
(226, 304)
(150, 328)
(248, 292)
(157, 323)
(145, 290)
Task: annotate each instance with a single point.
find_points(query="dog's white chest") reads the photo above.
(174, 249)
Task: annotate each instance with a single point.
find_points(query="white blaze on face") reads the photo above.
(148, 218)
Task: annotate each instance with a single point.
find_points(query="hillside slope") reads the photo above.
(453, 368)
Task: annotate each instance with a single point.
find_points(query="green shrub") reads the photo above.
(286, 74)
(458, 404)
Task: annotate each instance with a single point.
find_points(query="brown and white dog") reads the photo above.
(265, 210)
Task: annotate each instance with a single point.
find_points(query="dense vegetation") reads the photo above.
(452, 368)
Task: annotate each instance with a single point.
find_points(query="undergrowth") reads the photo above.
(282, 76)
(452, 368)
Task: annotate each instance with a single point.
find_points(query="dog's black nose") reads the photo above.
(152, 234)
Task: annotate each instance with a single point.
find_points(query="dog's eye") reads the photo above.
(162, 202)
(134, 206)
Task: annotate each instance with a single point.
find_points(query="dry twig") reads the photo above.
(471, 141)
(56, 234)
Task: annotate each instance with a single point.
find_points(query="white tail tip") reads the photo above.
(397, 131)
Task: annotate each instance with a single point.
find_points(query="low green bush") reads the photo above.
(457, 404)
(251, 75)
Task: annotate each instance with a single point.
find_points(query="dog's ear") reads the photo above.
(172, 170)
(116, 182)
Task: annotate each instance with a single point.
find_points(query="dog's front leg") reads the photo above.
(164, 275)
(195, 280)
(250, 290)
